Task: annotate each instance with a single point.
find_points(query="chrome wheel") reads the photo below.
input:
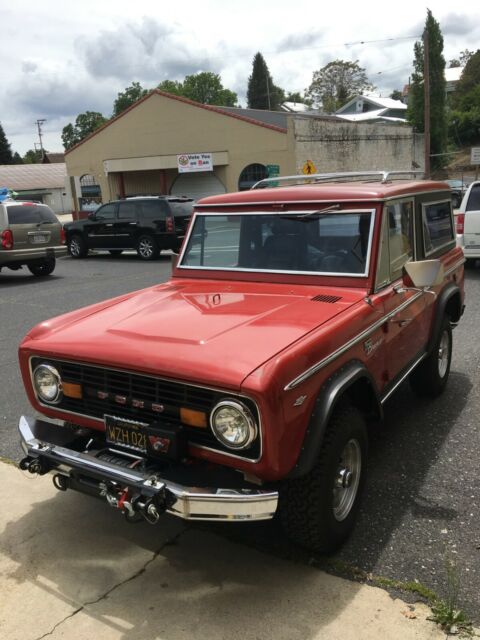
(75, 248)
(443, 354)
(147, 248)
(347, 480)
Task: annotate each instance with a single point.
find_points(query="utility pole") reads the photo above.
(39, 127)
(426, 88)
(268, 93)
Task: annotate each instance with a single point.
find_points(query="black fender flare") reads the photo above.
(448, 293)
(332, 390)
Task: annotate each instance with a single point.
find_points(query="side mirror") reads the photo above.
(425, 273)
(92, 215)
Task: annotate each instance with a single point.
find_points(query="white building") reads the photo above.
(47, 183)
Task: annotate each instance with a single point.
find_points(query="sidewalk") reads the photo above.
(72, 568)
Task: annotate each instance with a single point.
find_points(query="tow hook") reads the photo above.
(33, 466)
(134, 507)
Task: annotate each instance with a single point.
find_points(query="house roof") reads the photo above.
(232, 112)
(24, 177)
(273, 118)
(382, 103)
(53, 158)
(378, 114)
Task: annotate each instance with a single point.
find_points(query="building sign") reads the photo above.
(188, 162)
(309, 168)
(475, 155)
(273, 170)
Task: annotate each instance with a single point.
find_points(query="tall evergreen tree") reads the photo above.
(416, 98)
(6, 156)
(262, 93)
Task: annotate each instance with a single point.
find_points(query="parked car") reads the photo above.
(468, 223)
(148, 224)
(31, 236)
(458, 188)
(246, 384)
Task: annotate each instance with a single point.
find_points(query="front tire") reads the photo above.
(318, 511)
(77, 247)
(147, 248)
(44, 268)
(431, 375)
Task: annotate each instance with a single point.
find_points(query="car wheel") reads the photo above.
(147, 248)
(318, 511)
(115, 252)
(44, 268)
(431, 375)
(77, 247)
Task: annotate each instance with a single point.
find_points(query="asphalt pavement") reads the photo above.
(421, 506)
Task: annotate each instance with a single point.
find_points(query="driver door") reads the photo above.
(100, 229)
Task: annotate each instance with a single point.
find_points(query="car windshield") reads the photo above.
(314, 242)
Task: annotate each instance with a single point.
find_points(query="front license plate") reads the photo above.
(126, 433)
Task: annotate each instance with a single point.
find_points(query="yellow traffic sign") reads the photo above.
(309, 168)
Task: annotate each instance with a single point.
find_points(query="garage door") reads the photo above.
(197, 185)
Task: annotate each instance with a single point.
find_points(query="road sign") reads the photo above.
(273, 170)
(475, 155)
(309, 168)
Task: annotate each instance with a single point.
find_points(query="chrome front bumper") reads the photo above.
(45, 444)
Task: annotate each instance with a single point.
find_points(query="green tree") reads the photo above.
(262, 92)
(336, 83)
(296, 96)
(33, 156)
(171, 86)
(207, 88)
(465, 56)
(85, 124)
(416, 100)
(470, 77)
(17, 158)
(128, 97)
(396, 95)
(5, 149)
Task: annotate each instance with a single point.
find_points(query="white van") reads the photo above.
(467, 221)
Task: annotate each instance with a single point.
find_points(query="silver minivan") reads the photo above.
(31, 236)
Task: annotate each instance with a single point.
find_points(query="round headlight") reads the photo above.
(47, 383)
(233, 424)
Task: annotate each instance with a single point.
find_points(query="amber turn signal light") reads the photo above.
(193, 418)
(72, 390)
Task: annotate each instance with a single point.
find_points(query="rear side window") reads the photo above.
(153, 209)
(30, 214)
(473, 203)
(437, 226)
(181, 208)
(400, 236)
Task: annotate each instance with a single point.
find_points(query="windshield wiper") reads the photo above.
(312, 215)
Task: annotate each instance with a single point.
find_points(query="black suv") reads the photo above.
(147, 224)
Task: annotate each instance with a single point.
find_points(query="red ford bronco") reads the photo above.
(244, 386)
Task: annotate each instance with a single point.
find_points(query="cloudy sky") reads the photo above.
(60, 58)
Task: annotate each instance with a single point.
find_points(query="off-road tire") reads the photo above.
(115, 252)
(147, 247)
(44, 268)
(431, 375)
(77, 247)
(307, 505)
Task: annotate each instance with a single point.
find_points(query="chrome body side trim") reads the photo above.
(402, 378)
(188, 503)
(351, 343)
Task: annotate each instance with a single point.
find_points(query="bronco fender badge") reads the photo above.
(299, 401)
(369, 346)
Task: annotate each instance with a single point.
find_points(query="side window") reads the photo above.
(473, 203)
(126, 210)
(106, 213)
(399, 218)
(437, 226)
(154, 209)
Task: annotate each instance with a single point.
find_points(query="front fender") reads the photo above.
(352, 380)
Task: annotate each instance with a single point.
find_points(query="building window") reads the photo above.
(251, 174)
(91, 195)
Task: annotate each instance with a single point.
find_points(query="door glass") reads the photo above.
(126, 210)
(437, 226)
(473, 203)
(154, 209)
(106, 213)
(400, 236)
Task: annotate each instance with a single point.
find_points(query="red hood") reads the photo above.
(204, 331)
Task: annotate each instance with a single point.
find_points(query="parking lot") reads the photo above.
(421, 507)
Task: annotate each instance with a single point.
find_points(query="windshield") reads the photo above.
(315, 242)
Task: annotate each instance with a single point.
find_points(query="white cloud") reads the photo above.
(58, 61)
